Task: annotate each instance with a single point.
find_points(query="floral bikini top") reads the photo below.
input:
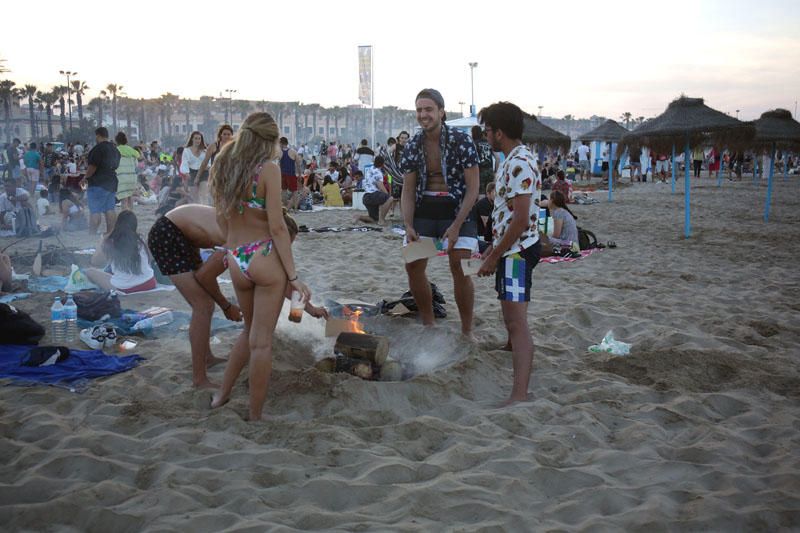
(254, 201)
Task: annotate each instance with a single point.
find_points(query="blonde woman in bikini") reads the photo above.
(246, 188)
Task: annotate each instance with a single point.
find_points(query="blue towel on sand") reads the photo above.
(78, 367)
(47, 283)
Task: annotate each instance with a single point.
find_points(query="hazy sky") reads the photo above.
(571, 57)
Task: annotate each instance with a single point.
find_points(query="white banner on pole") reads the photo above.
(365, 75)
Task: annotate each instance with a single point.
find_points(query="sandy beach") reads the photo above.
(696, 429)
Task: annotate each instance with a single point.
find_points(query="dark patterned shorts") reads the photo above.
(172, 251)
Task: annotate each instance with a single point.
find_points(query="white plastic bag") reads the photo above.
(77, 281)
(610, 345)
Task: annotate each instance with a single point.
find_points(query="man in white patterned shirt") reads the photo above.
(515, 238)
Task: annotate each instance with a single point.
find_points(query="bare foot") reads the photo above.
(205, 384)
(214, 361)
(507, 347)
(513, 400)
(217, 400)
(469, 336)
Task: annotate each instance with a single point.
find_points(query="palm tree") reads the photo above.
(626, 117)
(7, 93)
(169, 103)
(79, 88)
(48, 99)
(142, 122)
(30, 92)
(187, 105)
(568, 119)
(113, 89)
(98, 103)
(62, 105)
(639, 120)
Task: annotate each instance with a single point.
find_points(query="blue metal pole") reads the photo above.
(721, 170)
(673, 168)
(610, 172)
(687, 222)
(769, 184)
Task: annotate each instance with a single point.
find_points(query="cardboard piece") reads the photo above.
(471, 266)
(424, 248)
(334, 326)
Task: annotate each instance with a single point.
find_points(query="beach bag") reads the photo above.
(95, 305)
(586, 239)
(17, 327)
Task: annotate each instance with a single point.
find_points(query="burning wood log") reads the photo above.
(373, 348)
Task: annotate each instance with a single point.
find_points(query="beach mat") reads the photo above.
(80, 366)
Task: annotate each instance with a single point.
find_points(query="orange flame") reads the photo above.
(356, 325)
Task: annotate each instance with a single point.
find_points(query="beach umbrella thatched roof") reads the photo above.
(535, 132)
(608, 131)
(689, 118)
(779, 128)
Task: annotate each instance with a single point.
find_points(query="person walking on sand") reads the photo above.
(246, 187)
(175, 241)
(102, 179)
(440, 187)
(515, 247)
(290, 182)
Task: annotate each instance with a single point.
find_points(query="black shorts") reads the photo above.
(514, 274)
(172, 251)
(373, 201)
(435, 214)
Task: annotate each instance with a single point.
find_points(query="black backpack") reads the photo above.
(586, 239)
(17, 326)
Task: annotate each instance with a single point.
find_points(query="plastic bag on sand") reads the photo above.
(77, 281)
(610, 345)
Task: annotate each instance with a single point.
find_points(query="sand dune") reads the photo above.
(695, 430)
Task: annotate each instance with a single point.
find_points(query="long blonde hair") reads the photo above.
(232, 172)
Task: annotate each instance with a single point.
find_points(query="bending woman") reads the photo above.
(245, 185)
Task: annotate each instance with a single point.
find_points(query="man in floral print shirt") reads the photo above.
(515, 239)
(440, 187)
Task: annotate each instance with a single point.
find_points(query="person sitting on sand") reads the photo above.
(175, 241)
(377, 199)
(332, 193)
(565, 229)
(562, 185)
(6, 273)
(127, 255)
(73, 215)
(246, 187)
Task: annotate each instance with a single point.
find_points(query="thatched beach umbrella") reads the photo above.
(776, 129)
(689, 121)
(535, 132)
(611, 132)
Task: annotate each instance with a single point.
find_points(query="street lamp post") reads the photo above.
(737, 114)
(472, 66)
(69, 73)
(540, 111)
(230, 102)
(462, 107)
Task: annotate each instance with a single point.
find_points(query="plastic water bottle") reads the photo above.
(57, 322)
(71, 317)
(153, 322)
